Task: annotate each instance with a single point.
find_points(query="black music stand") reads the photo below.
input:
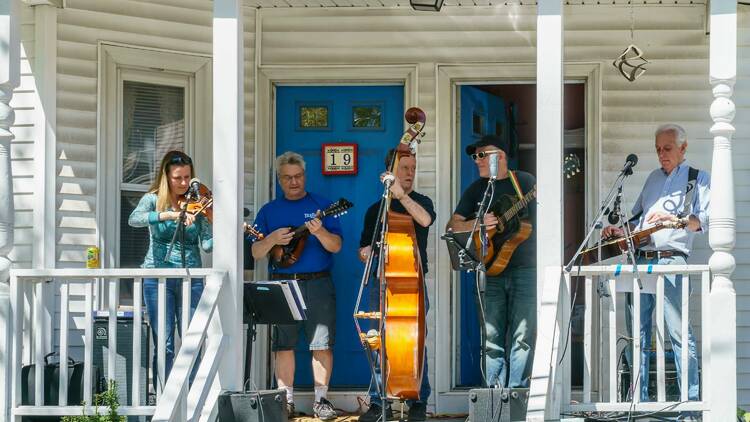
(270, 302)
(462, 258)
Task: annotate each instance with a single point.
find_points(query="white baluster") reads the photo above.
(660, 375)
(64, 314)
(137, 330)
(587, 329)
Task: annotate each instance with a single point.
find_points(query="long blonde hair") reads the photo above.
(160, 185)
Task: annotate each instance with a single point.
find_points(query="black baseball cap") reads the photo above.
(485, 141)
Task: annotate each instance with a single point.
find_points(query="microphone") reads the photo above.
(614, 215)
(493, 166)
(630, 162)
(194, 189)
(246, 212)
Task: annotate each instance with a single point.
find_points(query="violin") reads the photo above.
(203, 204)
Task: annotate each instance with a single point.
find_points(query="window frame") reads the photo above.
(118, 63)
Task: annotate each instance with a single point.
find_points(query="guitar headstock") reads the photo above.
(253, 231)
(337, 208)
(571, 165)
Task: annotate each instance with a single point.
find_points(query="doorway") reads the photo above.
(508, 110)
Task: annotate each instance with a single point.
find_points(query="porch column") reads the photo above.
(45, 137)
(722, 392)
(45, 149)
(549, 97)
(10, 67)
(228, 174)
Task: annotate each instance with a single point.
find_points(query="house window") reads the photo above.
(313, 116)
(151, 102)
(153, 123)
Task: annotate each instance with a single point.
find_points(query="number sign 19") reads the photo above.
(339, 158)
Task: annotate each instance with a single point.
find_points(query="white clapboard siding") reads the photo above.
(177, 25)
(24, 103)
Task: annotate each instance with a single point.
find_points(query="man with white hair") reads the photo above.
(674, 191)
(312, 269)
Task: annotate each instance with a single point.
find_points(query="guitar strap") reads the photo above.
(690, 190)
(516, 184)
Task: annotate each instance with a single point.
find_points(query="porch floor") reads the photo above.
(354, 418)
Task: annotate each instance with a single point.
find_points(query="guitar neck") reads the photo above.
(518, 206)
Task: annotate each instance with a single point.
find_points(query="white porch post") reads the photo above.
(722, 393)
(228, 173)
(45, 138)
(10, 68)
(549, 95)
(45, 149)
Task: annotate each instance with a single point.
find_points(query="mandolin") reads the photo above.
(618, 246)
(283, 256)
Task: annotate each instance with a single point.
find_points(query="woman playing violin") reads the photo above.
(159, 210)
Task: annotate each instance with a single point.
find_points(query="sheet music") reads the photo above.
(268, 299)
(294, 307)
(298, 294)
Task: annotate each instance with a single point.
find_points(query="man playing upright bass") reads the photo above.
(406, 201)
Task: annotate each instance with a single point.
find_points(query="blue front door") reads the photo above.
(371, 117)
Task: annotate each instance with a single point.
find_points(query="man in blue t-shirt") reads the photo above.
(278, 219)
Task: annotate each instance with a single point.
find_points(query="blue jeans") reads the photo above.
(510, 323)
(673, 319)
(424, 390)
(173, 314)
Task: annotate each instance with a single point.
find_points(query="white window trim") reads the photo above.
(448, 399)
(118, 61)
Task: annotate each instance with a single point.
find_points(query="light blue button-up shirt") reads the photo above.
(666, 193)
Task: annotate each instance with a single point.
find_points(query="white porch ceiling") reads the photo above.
(449, 3)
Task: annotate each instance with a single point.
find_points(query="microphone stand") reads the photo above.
(179, 231)
(625, 226)
(378, 240)
(614, 192)
(480, 271)
(477, 266)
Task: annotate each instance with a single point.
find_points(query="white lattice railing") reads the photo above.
(29, 293)
(551, 392)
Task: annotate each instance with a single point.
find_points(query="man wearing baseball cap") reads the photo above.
(510, 297)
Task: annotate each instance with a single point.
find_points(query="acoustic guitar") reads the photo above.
(283, 256)
(619, 246)
(510, 231)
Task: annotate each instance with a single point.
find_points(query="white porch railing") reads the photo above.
(175, 400)
(551, 395)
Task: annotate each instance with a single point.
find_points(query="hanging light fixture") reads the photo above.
(426, 5)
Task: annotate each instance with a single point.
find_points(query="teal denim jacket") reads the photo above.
(197, 236)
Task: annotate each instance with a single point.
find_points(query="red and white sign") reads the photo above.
(339, 158)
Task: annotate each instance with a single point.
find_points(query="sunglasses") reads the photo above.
(483, 154)
(181, 160)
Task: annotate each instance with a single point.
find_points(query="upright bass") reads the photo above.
(399, 338)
